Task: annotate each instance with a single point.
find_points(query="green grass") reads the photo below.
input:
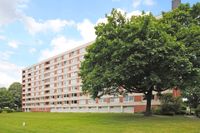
(95, 123)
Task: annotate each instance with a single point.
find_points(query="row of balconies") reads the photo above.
(47, 69)
(78, 58)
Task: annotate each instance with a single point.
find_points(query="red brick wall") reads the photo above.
(138, 98)
(142, 108)
(139, 108)
(176, 92)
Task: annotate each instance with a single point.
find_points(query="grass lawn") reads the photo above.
(95, 123)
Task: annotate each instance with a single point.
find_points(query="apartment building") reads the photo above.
(53, 85)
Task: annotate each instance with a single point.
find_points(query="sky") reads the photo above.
(33, 30)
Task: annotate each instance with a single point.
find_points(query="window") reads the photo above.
(128, 98)
(114, 99)
(101, 100)
(73, 74)
(73, 88)
(73, 81)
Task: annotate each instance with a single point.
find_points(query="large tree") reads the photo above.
(139, 55)
(16, 91)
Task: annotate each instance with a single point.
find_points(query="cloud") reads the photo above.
(149, 2)
(14, 44)
(61, 43)
(32, 50)
(54, 25)
(9, 73)
(3, 38)
(5, 55)
(10, 10)
(58, 45)
(128, 15)
(86, 29)
(101, 20)
(137, 3)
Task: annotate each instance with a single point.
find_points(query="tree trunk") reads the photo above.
(148, 105)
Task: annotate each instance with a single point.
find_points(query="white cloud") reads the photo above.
(101, 20)
(136, 3)
(32, 50)
(149, 2)
(59, 44)
(10, 10)
(128, 15)
(9, 73)
(54, 25)
(5, 55)
(86, 29)
(3, 38)
(14, 44)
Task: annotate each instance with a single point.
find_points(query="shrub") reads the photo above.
(156, 111)
(8, 110)
(197, 111)
(170, 105)
(1, 111)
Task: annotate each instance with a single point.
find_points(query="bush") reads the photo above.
(156, 111)
(1, 111)
(197, 111)
(8, 110)
(171, 105)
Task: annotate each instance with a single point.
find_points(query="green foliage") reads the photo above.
(2, 88)
(170, 105)
(11, 98)
(8, 110)
(16, 91)
(193, 96)
(143, 54)
(1, 111)
(6, 99)
(184, 24)
(197, 111)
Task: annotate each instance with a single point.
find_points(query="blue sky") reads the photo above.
(33, 30)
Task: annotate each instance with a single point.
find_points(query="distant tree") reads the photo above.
(16, 91)
(6, 99)
(138, 55)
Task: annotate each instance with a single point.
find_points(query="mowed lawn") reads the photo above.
(95, 123)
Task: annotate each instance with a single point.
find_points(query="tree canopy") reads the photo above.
(142, 54)
(16, 90)
(11, 97)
